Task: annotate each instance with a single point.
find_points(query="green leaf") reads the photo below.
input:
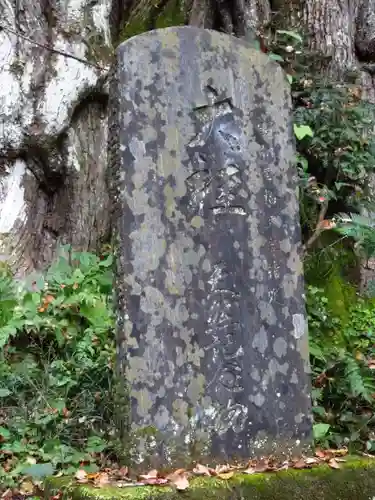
(58, 404)
(289, 78)
(39, 471)
(4, 433)
(78, 276)
(107, 262)
(90, 468)
(275, 57)
(339, 185)
(316, 351)
(303, 162)
(4, 392)
(319, 410)
(86, 259)
(320, 430)
(316, 394)
(291, 34)
(302, 131)
(17, 447)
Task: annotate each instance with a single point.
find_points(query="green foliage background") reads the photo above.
(336, 161)
(56, 367)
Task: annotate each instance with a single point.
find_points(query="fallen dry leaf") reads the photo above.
(179, 479)
(179, 471)
(300, 464)
(320, 453)
(249, 470)
(172, 475)
(261, 465)
(221, 469)
(113, 474)
(58, 496)
(81, 476)
(340, 452)
(155, 481)
(153, 474)
(48, 299)
(123, 472)
(92, 476)
(201, 470)
(101, 480)
(334, 464)
(226, 475)
(326, 224)
(127, 484)
(284, 466)
(182, 483)
(26, 487)
(311, 460)
(66, 413)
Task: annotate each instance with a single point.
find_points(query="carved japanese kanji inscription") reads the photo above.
(216, 155)
(211, 336)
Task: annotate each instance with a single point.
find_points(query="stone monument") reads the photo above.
(212, 337)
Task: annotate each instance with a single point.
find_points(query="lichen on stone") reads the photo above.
(206, 192)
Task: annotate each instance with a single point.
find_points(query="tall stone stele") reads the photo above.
(212, 341)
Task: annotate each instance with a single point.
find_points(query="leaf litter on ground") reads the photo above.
(179, 478)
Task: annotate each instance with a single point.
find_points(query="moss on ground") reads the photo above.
(354, 481)
(332, 269)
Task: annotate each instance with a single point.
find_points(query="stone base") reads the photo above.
(355, 480)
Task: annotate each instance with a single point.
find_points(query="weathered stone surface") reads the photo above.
(212, 333)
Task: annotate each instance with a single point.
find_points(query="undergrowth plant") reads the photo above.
(56, 367)
(339, 155)
(361, 229)
(334, 133)
(342, 357)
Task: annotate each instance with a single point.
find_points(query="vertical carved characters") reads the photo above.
(215, 153)
(225, 329)
(217, 193)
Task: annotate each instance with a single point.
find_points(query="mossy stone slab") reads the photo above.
(212, 339)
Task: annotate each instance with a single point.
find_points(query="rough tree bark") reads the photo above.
(55, 59)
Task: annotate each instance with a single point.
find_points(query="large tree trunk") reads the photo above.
(54, 58)
(54, 66)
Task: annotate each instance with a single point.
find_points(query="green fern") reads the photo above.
(8, 299)
(360, 385)
(361, 228)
